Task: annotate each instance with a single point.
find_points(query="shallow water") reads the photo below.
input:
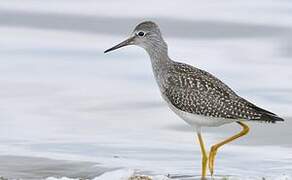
(68, 110)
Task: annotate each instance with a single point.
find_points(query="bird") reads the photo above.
(195, 95)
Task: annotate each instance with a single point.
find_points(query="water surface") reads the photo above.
(69, 110)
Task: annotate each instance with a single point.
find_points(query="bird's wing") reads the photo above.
(196, 91)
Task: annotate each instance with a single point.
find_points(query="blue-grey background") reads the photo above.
(69, 110)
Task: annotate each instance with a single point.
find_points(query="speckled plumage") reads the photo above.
(196, 91)
(189, 90)
(193, 90)
(195, 95)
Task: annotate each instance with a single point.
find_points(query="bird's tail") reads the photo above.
(267, 116)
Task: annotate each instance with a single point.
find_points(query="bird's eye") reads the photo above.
(141, 34)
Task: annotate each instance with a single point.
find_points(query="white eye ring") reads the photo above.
(141, 33)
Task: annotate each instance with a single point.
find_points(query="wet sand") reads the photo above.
(33, 168)
(261, 134)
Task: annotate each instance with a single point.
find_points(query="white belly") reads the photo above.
(198, 121)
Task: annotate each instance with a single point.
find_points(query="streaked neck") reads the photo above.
(158, 54)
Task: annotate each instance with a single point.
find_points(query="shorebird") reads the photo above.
(196, 96)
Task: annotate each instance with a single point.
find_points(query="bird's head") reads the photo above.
(146, 35)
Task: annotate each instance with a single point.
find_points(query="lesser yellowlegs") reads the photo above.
(195, 95)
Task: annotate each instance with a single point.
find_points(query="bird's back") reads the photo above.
(196, 91)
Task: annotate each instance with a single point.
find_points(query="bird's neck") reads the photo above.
(159, 63)
(159, 56)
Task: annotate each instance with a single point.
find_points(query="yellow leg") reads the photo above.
(204, 156)
(215, 147)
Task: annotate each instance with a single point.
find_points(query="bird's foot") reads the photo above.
(212, 155)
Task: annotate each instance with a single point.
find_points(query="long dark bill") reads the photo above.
(122, 44)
